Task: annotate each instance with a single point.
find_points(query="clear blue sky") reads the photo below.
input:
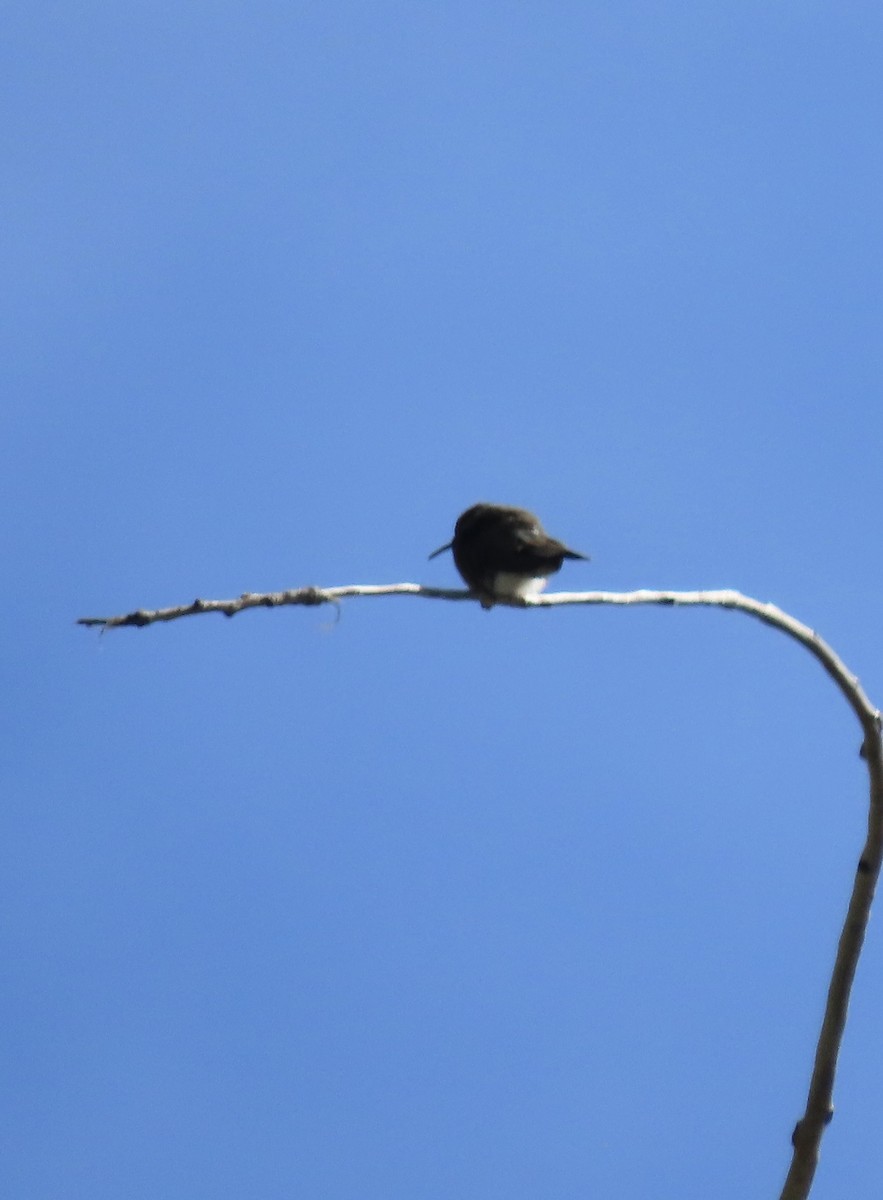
(431, 903)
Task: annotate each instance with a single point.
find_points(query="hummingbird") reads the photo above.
(504, 553)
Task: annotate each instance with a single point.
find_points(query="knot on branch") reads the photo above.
(311, 596)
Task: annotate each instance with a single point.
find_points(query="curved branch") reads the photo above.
(819, 1105)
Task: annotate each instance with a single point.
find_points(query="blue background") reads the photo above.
(428, 902)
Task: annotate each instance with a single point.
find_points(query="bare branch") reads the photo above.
(819, 1106)
(305, 595)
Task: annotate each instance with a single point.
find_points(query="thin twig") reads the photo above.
(808, 1132)
(305, 595)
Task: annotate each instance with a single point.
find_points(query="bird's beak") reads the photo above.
(441, 550)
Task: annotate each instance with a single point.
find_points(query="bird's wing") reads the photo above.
(533, 542)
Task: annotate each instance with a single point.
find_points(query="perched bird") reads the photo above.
(504, 553)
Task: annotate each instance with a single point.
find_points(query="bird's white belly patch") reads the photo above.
(508, 584)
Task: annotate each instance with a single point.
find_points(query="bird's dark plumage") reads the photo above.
(504, 553)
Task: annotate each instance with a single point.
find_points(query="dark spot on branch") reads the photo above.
(864, 867)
